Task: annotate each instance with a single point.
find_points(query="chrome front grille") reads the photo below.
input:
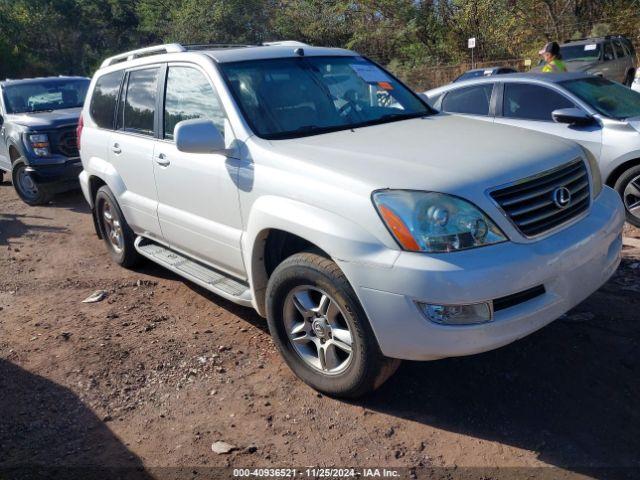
(538, 204)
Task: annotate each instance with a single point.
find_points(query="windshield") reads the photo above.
(608, 98)
(294, 97)
(45, 95)
(580, 53)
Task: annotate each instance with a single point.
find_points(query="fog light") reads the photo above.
(457, 314)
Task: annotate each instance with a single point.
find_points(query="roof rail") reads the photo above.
(286, 43)
(206, 46)
(143, 52)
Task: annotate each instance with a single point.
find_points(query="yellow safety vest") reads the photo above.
(554, 66)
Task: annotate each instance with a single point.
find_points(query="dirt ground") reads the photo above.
(153, 375)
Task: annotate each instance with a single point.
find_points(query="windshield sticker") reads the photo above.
(591, 46)
(369, 73)
(385, 85)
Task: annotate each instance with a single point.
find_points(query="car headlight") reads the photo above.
(596, 175)
(435, 222)
(39, 144)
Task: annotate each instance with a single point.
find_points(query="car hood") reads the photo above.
(442, 152)
(46, 120)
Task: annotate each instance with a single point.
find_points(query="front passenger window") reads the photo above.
(531, 102)
(189, 95)
(470, 100)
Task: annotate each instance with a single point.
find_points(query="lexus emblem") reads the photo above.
(562, 197)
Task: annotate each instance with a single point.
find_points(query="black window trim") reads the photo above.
(162, 93)
(541, 85)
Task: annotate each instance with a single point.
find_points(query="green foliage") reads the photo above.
(41, 37)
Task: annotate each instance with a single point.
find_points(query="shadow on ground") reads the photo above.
(47, 432)
(569, 392)
(15, 226)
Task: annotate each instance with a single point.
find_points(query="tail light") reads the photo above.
(79, 130)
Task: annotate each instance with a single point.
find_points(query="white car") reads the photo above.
(601, 115)
(312, 185)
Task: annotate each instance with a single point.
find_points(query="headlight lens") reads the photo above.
(596, 175)
(435, 222)
(39, 144)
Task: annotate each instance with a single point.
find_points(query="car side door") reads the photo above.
(528, 105)
(131, 148)
(620, 62)
(198, 207)
(474, 101)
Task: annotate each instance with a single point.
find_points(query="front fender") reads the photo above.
(341, 238)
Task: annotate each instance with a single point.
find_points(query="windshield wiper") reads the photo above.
(387, 117)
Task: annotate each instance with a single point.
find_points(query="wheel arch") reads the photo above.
(278, 227)
(615, 174)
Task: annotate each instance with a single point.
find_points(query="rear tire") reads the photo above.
(628, 81)
(27, 189)
(321, 330)
(628, 186)
(115, 230)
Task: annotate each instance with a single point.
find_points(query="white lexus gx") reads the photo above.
(312, 185)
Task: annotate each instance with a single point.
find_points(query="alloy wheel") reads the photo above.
(112, 226)
(631, 197)
(318, 330)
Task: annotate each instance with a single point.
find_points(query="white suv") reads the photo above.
(314, 186)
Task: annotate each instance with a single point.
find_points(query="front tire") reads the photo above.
(321, 330)
(115, 230)
(27, 189)
(628, 186)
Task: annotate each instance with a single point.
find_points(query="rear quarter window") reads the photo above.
(469, 100)
(105, 98)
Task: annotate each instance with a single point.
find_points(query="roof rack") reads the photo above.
(177, 48)
(143, 52)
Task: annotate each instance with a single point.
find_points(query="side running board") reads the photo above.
(198, 273)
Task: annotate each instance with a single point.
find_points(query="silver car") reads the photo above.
(602, 116)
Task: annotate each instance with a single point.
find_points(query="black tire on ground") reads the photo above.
(1, 176)
(28, 190)
(115, 232)
(367, 368)
(628, 186)
(629, 78)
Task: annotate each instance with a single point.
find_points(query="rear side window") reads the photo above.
(531, 102)
(619, 49)
(190, 95)
(140, 101)
(470, 100)
(105, 98)
(608, 52)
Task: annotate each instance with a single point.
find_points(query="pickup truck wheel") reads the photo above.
(115, 230)
(628, 186)
(321, 330)
(27, 189)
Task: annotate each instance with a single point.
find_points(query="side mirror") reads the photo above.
(572, 116)
(198, 136)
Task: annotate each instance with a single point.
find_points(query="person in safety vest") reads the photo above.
(552, 58)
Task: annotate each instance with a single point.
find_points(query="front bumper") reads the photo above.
(58, 176)
(571, 264)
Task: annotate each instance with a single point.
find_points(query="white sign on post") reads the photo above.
(471, 42)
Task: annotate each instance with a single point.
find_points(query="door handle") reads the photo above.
(116, 149)
(162, 160)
